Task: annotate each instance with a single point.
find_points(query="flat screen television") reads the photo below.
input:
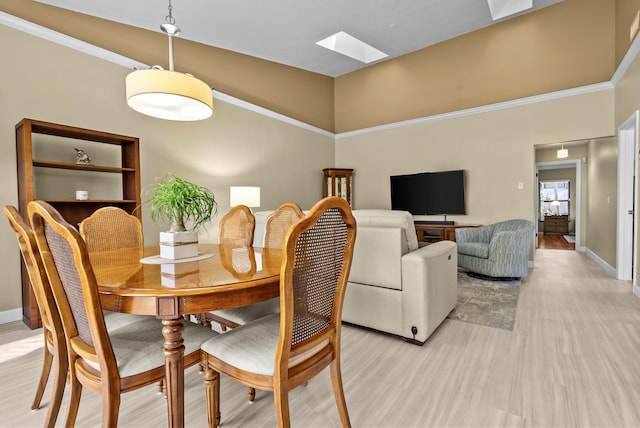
(429, 193)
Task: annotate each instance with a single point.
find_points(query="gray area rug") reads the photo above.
(486, 302)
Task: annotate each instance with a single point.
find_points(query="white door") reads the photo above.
(626, 247)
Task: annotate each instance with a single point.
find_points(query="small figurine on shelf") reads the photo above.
(82, 157)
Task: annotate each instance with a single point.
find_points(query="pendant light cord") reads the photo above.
(169, 18)
(171, 30)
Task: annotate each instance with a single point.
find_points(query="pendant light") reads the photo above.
(168, 94)
(563, 153)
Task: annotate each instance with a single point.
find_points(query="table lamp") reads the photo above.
(244, 195)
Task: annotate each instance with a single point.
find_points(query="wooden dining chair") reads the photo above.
(111, 228)
(55, 350)
(106, 362)
(276, 227)
(282, 351)
(278, 224)
(237, 227)
(97, 230)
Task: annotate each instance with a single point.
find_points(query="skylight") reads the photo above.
(348, 45)
(501, 8)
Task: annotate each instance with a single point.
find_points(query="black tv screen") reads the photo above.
(429, 193)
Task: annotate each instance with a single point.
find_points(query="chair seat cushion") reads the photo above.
(115, 320)
(245, 314)
(138, 345)
(250, 347)
(474, 249)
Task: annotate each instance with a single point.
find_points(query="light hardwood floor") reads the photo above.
(572, 359)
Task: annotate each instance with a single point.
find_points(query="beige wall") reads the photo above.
(562, 46)
(602, 202)
(496, 148)
(49, 82)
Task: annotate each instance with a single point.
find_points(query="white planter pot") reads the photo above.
(178, 245)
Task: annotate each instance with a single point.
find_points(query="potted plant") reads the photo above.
(180, 203)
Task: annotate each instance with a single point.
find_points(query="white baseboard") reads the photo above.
(604, 265)
(10, 315)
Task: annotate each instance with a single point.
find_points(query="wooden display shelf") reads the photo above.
(90, 201)
(126, 156)
(81, 167)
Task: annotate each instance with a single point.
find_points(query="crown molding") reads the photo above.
(269, 113)
(70, 42)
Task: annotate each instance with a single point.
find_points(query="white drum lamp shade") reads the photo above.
(169, 95)
(244, 195)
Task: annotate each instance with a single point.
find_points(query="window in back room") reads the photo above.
(554, 198)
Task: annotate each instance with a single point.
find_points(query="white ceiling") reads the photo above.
(285, 31)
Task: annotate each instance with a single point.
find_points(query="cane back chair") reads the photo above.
(107, 363)
(111, 228)
(282, 351)
(55, 350)
(278, 224)
(237, 227)
(276, 228)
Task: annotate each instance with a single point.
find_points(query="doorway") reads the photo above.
(555, 209)
(569, 170)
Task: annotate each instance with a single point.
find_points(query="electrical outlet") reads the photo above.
(520, 185)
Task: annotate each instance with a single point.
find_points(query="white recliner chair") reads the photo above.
(394, 285)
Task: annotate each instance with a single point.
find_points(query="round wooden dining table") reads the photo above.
(138, 281)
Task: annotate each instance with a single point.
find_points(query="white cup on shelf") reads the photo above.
(82, 195)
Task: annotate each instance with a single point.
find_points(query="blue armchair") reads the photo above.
(497, 250)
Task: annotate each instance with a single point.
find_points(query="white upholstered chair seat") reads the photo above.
(252, 346)
(115, 320)
(244, 314)
(138, 345)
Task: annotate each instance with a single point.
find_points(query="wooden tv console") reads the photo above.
(433, 232)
